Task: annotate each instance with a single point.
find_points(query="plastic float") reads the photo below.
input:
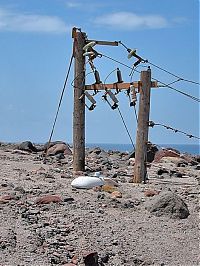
(87, 182)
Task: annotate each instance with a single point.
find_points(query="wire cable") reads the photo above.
(179, 91)
(166, 85)
(58, 108)
(152, 124)
(127, 131)
(170, 73)
(120, 113)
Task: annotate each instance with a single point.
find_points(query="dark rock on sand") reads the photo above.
(91, 259)
(151, 152)
(171, 205)
(27, 146)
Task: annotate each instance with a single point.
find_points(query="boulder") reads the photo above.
(59, 148)
(165, 153)
(151, 151)
(27, 146)
(169, 204)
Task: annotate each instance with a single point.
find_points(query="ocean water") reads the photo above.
(184, 148)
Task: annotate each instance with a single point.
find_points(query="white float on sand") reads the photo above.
(88, 181)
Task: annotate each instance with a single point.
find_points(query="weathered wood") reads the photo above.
(120, 86)
(79, 105)
(115, 43)
(142, 129)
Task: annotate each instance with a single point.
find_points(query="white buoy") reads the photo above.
(87, 182)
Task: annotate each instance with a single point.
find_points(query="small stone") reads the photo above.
(91, 259)
(162, 171)
(105, 257)
(75, 260)
(68, 199)
(6, 198)
(116, 194)
(48, 199)
(151, 193)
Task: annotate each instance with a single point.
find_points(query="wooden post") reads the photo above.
(142, 129)
(79, 105)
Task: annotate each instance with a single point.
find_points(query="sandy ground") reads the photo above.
(122, 230)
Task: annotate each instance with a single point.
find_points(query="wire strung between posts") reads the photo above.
(180, 78)
(179, 91)
(152, 124)
(170, 73)
(120, 113)
(124, 123)
(166, 85)
(60, 101)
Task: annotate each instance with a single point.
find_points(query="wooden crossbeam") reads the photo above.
(115, 43)
(118, 86)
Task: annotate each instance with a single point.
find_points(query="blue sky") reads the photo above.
(36, 46)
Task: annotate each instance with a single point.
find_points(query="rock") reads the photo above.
(151, 193)
(110, 182)
(60, 156)
(165, 153)
(48, 199)
(151, 152)
(59, 148)
(116, 194)
(6, 198)
(105, 257)
(169, 204)
(131, 161)
(68, 199)
(27, 146)
(129, 204)
(91, 259)
(108, 188)
(96, 151)
(198, 167)
(20, 152)
(162, 171)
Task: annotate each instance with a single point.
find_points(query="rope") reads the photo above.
(58, 109)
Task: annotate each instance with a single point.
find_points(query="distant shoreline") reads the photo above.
(193, 149)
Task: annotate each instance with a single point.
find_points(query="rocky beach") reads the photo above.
(45, 221)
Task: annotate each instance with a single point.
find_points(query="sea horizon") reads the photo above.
(183, 148)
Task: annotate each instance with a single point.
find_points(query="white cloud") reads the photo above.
(131, 21)
(12, 21)
(73, 4)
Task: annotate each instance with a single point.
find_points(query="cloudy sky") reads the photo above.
(36, 46)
